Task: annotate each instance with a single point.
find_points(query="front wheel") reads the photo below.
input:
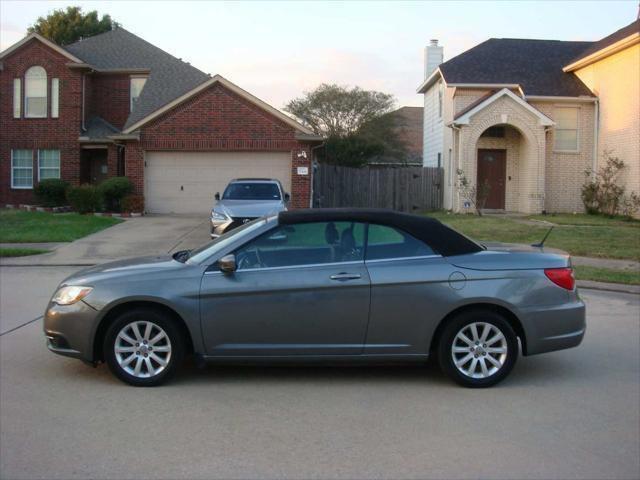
(143, 347)
(478, 349)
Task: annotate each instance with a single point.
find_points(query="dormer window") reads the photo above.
(137, 84)
(35, 93)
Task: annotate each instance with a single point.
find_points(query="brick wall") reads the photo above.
(36, 133)
(109, 98)
(219, 120)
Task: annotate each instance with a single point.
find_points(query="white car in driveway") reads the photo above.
(246, 199)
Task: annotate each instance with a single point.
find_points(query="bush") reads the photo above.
(113, 190)
(51, 192)
(85, 198)
(132, 203)
(602, 194)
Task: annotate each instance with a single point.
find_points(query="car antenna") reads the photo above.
(541, 244)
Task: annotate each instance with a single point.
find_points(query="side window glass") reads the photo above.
(387, 242)
(304, 244)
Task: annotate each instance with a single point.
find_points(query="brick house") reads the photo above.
(529, 117)
(114, 105)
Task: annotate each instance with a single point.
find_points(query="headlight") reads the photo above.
(71, 294)
(218, 217)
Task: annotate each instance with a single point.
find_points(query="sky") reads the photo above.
(279, 50)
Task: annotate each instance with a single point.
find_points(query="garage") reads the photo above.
(186, 182)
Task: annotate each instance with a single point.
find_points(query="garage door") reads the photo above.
(185, 182)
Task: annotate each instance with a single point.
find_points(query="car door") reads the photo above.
(410, 292)
(299, 289)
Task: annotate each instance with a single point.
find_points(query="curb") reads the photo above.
(609, 287)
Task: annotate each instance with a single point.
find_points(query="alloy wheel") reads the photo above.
(142, 349)
(479, 350)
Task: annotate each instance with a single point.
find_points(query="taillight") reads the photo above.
(563, 277)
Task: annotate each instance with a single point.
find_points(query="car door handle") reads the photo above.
(345, 276)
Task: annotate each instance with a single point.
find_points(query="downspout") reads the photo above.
(596, 137)
(456, 153)
(84, 76)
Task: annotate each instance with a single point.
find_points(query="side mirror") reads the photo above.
(287, 197)
(217, 196)
(227, 264)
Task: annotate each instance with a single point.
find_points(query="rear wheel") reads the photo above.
(478, 348)
(143, 347)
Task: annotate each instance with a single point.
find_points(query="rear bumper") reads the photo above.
(553, 328)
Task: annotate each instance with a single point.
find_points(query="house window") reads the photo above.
(35, 93)
(440, 102)
(21, 169)
(137, 84)
(55, 97)
(566, 134)
(17, 91)
(494, 132)
(439, 159)
(48, 164)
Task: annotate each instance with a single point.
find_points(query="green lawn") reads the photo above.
(628, 277)
(19, 226)
(585, 236)
(586, 220)
(20, 252)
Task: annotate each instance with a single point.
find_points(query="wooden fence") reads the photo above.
(408, 189)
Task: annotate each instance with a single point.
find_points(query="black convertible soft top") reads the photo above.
(442, 239)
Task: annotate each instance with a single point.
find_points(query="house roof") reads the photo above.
(534, 65)
(633, 29)
(120, 49)
(98, 128)
(40, 38)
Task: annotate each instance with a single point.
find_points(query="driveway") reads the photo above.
(148, 235)
(569, 414)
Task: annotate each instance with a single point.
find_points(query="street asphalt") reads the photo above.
(569, 414)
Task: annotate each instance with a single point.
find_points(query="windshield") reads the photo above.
(251, 191)
(202, 253)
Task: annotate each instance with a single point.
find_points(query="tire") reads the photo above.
(153, 359)
(479, 364)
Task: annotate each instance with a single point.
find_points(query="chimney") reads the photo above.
(432, 57)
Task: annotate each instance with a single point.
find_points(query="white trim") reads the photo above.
(466, 118)
(59, 163)
(424, 86)
(55, 97)
(230, 86)
(485, 85)
(23, 168)
(17, 98)
(603, 52)
(40, 38)
(549, 98)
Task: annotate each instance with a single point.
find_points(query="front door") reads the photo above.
(299, 289)
(492, 170)
(94, 166)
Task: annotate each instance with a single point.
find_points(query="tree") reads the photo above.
(67, 26)
(336, 111)
(356, 122)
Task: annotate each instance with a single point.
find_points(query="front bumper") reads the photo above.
(554, 328)
(69, 330)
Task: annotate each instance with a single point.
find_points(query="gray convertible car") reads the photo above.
(325, 285)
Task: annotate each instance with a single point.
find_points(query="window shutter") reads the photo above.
(55, 97)
(17, 100)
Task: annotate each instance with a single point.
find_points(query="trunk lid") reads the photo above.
(510, 256)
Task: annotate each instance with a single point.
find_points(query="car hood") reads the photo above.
(249, 208)
(130, 266)
(510, 256)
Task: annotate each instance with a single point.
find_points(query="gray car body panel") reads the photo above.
(299, 314)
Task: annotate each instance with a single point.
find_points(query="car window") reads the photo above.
(251, 191)
(387, 242)
(304, 244)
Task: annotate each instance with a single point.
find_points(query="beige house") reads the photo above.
(529, 117)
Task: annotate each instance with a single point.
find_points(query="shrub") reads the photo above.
(51, 192)
(85, 198)
(113, 190)
(132, 203)
(476, 195)
(602, 194)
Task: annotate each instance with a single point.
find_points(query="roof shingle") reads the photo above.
(169, 77)
(633, 27)
(536, 65)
